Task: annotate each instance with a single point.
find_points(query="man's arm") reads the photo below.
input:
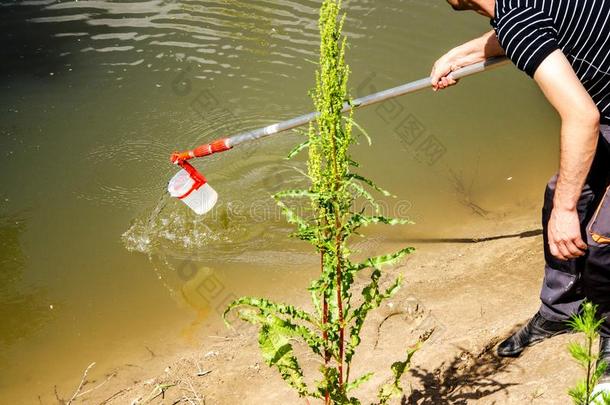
(471, 52)
(579, 137)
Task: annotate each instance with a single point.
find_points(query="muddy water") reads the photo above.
(97, 264)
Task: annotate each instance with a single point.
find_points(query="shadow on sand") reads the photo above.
(521, 235)
(466, 378)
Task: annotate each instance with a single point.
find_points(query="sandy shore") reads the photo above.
(469, 293)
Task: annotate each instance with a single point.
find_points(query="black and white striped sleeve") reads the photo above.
(527, 36)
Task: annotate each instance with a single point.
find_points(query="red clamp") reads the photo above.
(217, 146)
(198, 178)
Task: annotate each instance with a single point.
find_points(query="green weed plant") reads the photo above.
(588, 324)
(328, 220)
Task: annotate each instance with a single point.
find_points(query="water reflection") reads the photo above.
(213, 34)
(23, 310)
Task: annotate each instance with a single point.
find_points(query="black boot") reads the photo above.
(604, 355)
(536, 330)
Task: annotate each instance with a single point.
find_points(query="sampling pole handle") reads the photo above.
(488, 64)
(224, 144)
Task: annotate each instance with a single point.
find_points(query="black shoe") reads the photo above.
(536, 330)
(604, 355)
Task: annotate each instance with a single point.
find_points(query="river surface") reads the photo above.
(98, 264)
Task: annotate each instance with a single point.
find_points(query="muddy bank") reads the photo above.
(468, 292)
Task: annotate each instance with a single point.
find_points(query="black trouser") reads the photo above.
(567, 283)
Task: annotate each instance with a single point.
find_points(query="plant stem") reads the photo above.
(589, 362)
(325, 325)
(340, 303)
(338, 253)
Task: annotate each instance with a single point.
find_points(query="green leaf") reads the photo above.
(297, 149)
(330, 384)
(579, 353)
(358, 382)
(295, 194)
(393, 388)
(277, 351)
(354, 176)
(579, 393)
(586, 322)
(305, 231)
(359, 220)
(385, 260)
(266, 306)
(362, 130)
(361, 192)
(601, 368)
(266, 310)
(353, 163)
(372, 298)
(301, 172)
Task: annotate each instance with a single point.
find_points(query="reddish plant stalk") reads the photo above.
(340, 308)
(325, 331)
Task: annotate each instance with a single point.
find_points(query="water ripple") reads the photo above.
(279, 34)
(257, 42)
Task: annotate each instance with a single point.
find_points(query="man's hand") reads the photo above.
(439, 77)
(565, 239)
(471, 52)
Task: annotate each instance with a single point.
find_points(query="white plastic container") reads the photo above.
(196, 193)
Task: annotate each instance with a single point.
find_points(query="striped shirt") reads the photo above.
(530, 30)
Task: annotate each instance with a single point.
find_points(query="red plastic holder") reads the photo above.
(198, 179)
(217, 146)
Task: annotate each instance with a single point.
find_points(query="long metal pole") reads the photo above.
(223, 144)
(364, 101)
